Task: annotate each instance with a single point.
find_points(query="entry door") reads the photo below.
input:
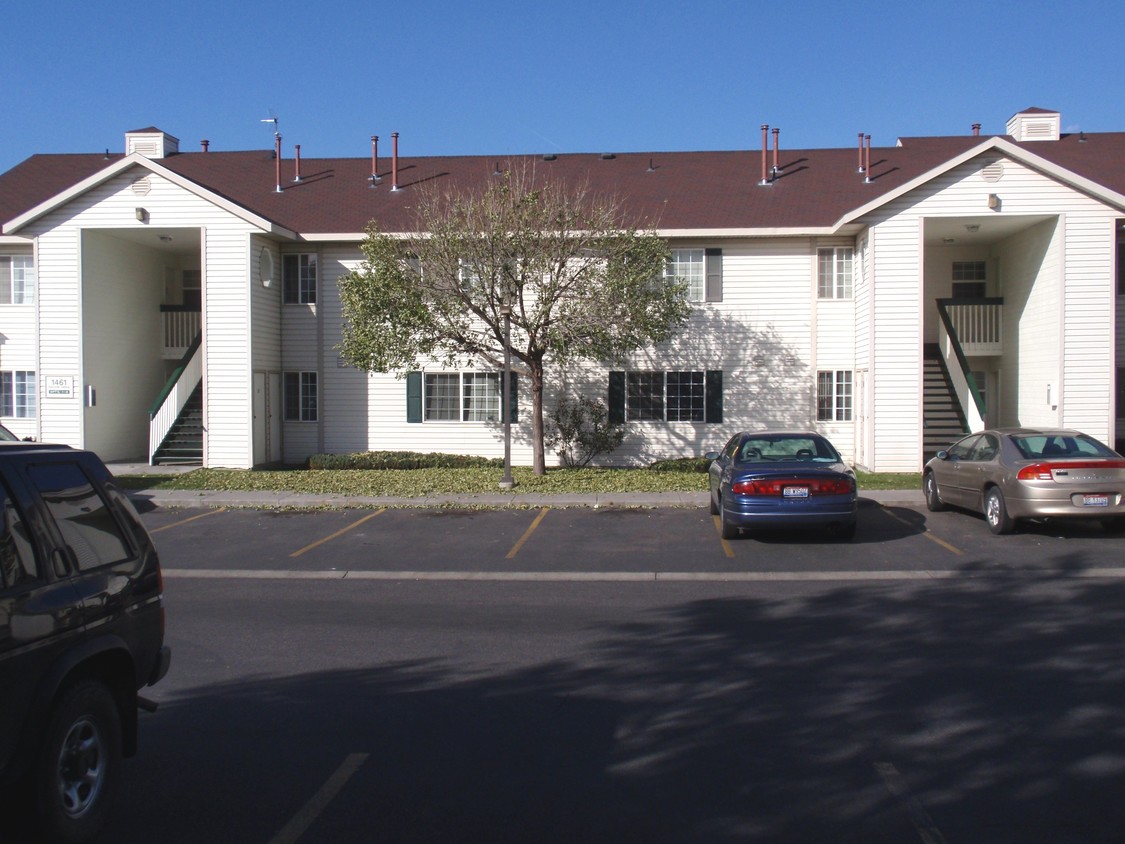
(261, 419)
(267, 417)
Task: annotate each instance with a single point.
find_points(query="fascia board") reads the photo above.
(137, 160)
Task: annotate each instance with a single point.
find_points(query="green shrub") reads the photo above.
(579, 430)
(400, 460)
(681, 464)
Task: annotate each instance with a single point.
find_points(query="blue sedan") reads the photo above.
(782, 479)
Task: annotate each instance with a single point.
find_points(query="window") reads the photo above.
(1121, 269)
(687, 266)
(298, 279)
(834, 273)
(17, 280)
(658, 396)
(834, 396)
(300, 396)
(458, 397)
(86, 524)
(17, 394)
(969, 271)
(462, 397)
(17, 554)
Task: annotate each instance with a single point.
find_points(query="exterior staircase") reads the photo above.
(943, 421)
(184, 443)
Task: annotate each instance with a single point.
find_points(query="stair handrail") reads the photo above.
(964, 382)
(177, 390)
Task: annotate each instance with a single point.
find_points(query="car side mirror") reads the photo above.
(711, 455)
(942, 455)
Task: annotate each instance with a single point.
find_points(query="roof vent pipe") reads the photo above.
(374, 160)
(867, 159)
(976, 130)
(206, 144)
(776, 169)
(297, 163)
(765, 143)
(277, 161)
(394, 161)
(859, 167)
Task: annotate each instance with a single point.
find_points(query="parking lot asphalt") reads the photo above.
(294, 500)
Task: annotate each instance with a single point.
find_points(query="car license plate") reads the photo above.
(1095, 500)
(796, 492)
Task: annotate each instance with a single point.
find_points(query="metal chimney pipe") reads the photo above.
(394, 160)
(776, 169)
(859, 167)
(297, 163)
(205, 144)
(867, 159)
(976, 130)
(277, 161)
(374, 158)
(765, 143)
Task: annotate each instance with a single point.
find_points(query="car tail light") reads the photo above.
(1042, 471)
(776, 486)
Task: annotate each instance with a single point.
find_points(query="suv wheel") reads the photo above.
(79, 766)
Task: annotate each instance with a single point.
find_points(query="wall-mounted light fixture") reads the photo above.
(994, 202)
(141, 214)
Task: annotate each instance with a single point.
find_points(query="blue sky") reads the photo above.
(501, 77)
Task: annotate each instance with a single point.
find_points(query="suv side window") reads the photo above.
(17, 554)
(84, 521)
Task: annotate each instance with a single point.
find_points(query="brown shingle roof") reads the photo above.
(684, 190)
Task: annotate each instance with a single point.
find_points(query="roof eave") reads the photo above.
(137, 160)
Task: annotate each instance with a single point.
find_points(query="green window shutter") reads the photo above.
(616, 398)
(714, 271)
(513, 398)
(714, 396)
(414, 397)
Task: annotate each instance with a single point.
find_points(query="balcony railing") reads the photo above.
(977, 323)
(180, 327)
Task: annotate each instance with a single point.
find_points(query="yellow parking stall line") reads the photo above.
(192, 519)
(340, 532)
(926, 533)
(527, 533)
(728, 549)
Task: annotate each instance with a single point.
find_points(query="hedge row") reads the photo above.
(437, 460)
(399, 460)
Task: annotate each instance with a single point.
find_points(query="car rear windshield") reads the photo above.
(774, 448)
(1037, 446)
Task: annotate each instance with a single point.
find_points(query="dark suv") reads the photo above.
(81, 631)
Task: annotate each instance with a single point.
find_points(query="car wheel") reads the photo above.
(727, 529)
(79, 765)
(933, 497)
(996, 512)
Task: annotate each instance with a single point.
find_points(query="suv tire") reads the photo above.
(77, 774)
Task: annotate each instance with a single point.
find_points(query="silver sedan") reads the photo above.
(1028, 473)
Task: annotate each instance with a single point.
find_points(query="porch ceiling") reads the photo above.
(989, 228)
(163, 239)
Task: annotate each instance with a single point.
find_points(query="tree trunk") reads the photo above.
(538, 462)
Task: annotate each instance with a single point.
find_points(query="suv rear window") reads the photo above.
(85, 522)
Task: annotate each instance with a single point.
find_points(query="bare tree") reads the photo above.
(582, 280)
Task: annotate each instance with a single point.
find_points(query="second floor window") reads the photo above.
(17, 280)
(687, 266)
(298, 279)
(834, 273)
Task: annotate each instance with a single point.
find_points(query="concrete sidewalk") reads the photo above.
(497, 500)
